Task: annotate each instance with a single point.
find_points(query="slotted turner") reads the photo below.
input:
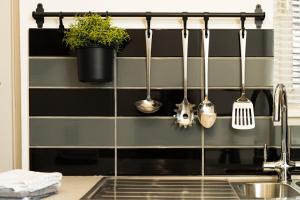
(242, 109)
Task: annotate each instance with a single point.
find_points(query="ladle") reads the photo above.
(148, 105)
(206, 109)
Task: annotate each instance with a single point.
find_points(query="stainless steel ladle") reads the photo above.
(206, 109)
(185, 111)
(148, 105)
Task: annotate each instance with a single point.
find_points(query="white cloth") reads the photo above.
(22, 180)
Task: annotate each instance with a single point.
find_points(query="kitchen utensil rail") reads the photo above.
(39, 14)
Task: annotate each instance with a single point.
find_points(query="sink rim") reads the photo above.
(242, 179)
(260, 192)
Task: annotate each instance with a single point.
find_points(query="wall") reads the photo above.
(71, 132)
(9, 66)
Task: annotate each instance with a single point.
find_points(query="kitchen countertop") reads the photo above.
(74, 187)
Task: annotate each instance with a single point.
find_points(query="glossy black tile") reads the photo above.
(223, 100)
(73, 162)
(159, 162)
(71, 102)
(295, 156)
(224, 42)
(47, 42)
(127, 98)
(166, 43)
(235, 161)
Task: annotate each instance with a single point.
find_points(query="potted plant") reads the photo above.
(94, 39)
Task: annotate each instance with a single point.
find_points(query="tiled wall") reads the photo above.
(86, 129)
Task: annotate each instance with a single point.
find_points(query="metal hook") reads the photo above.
(61, 24)
(184, 19)
(243, 18)
(148, 18)
(206, 18)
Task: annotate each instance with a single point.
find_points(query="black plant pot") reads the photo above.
(95, 64)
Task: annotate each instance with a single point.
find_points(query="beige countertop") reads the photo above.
(74, 187)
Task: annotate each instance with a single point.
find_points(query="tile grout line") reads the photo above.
(202, 128)
(115, 117)
(159, 147)
(144, 88)
(202, 152)
(155, 58)
(129, 117)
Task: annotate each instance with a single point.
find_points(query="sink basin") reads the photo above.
(160, 189)
(264, 191)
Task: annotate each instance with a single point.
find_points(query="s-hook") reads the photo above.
(184, 19)
(243, 18)
(148, 18)
(206, 18)
(61, 24)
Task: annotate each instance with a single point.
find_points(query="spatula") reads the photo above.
(242, 109)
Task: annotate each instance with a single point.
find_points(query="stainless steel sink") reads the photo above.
(264, 191)
(160, 189)
(179, 188)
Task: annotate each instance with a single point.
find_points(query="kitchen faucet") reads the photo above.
(284, 165)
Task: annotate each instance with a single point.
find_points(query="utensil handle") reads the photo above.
(206, 54)
(265, 153)
(185, 41)
(148, 61)
(243, 57)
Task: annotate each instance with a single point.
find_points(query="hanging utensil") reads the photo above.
(206, 109)
(148, 105)
(185, 111)
(242, 110)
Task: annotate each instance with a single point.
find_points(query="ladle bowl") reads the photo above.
(148, 105)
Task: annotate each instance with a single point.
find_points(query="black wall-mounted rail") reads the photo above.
(259, 15)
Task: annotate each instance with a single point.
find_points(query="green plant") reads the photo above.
(91, 30)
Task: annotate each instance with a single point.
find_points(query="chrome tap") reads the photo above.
(284, 165)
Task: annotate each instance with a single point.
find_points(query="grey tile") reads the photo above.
(167, 72)
(56, 72)
(225, 72)
(222, 134)
(295, 135)
(71, 132)
(156, 132)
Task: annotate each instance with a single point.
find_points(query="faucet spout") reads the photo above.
(284, 165)
(280, 114)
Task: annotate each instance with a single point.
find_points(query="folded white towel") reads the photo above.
(9, 194)
(22, 180)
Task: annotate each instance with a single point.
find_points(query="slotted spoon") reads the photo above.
(242, 109)
(185, 110)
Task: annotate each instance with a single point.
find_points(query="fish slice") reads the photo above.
(242, 109)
